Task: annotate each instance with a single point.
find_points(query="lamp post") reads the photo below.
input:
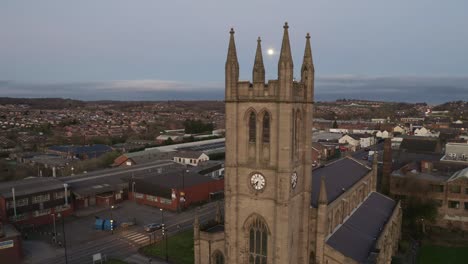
(182, 192)
(55, 229)
(133, 191)
(164, 232)
(59, 215)
(112, 219)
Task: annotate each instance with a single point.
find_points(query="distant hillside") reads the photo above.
(458, 109)
(43, 103)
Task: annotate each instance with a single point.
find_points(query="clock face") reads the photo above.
(257, 181)
(294, 180)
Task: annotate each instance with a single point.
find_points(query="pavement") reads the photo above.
(83, 241)
(140, 259)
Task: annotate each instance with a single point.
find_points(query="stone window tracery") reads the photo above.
(266, 128)
(258, 242)
(252, 127)
(218, 257)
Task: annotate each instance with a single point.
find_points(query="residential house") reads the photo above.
(383, 134)
(423, 132)
(367, 140)
(192, 158)
(399, 130)
(352, 141)
(174, 137)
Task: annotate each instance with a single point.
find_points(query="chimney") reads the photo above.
(387, 166)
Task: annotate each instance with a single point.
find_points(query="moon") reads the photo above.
(270, 52)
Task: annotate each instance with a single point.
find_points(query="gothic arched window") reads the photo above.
(297, 130)
(258, 242)
(252, 127)
(218, 258)
(266, 128)
(293, 133)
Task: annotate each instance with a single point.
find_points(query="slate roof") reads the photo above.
(340, 174)
(215, 229)
(357, 236)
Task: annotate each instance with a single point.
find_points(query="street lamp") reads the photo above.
(55, 229)
(164, 232)
(112, 219)
(59, 215)
(182, 192)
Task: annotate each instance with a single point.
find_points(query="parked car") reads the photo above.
(152, 227)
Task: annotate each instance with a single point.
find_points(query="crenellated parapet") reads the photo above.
(285, 88)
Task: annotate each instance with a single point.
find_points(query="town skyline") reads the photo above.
(69, 51)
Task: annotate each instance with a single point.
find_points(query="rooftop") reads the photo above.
(357, 236)
(29, 186)
(460, 175)
(339, 177)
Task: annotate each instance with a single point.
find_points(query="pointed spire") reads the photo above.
(308, 52)
(232, 54)
(259, 68)
(231, 69)
(285, 55)
(323, 192)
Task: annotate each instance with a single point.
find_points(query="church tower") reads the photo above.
(268, 165)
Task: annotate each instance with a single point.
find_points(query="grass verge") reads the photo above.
(180, 248)
(432, 254)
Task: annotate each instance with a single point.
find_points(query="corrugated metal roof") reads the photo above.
(30, 186)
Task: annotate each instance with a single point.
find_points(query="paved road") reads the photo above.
(125, 242)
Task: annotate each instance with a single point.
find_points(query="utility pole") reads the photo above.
(112, 219)
(164, 233)
(55, 229)
(64, 236)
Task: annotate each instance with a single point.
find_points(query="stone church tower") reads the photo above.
(277, 210)
(268, 165)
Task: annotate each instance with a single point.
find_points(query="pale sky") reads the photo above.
(184, 43)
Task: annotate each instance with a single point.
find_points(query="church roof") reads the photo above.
(339, 176)
(357, 236)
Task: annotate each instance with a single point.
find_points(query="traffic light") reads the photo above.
(112, 225)
(163, 229)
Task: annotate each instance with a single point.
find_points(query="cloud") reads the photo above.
(431, 89)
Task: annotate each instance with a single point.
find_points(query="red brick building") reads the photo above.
(33, 201)
(10, 245)
(177, 186)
